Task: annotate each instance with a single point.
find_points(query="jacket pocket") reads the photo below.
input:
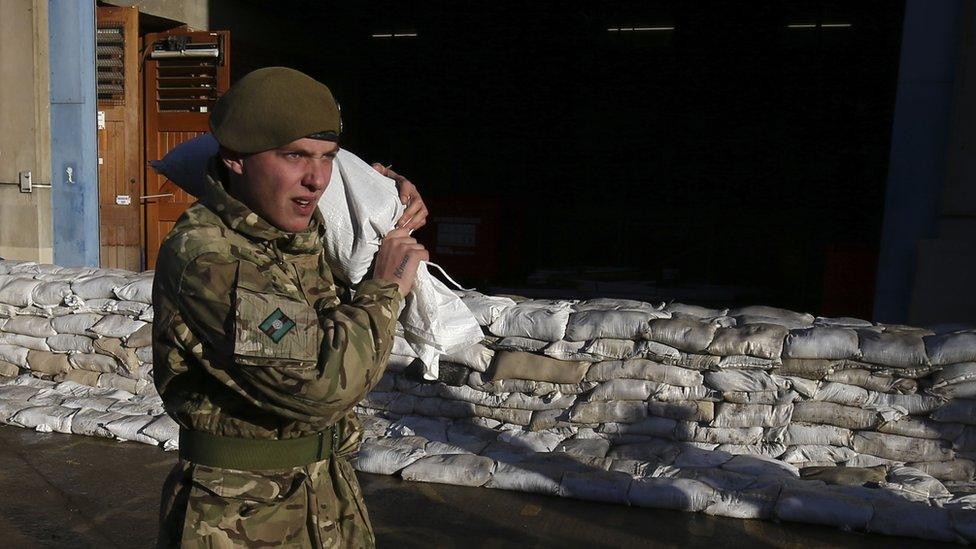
(273, 326)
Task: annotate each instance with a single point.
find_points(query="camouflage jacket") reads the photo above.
(252, 337)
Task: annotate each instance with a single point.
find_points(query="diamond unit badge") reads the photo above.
(276, 325)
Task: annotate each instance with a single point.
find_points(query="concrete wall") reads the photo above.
(194, 13)
(25, 141)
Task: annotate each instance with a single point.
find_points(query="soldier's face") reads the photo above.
(284, 185)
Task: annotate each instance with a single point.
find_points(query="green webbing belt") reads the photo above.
(252, 454)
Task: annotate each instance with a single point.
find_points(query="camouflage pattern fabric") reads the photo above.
(253, 338)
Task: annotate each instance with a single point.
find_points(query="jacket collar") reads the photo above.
(241, 219)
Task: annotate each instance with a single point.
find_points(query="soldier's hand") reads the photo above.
(415, 216)
(398, 259)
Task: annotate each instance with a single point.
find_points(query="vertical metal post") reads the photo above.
(74, 147)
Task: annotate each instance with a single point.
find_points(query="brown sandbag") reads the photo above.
(847, 476)
(47, 363)
(519, 365)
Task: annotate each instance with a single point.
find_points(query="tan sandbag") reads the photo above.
(8, 369)
(113, 347)
(518, 365)
(47, 363)
(140, 338)
(83, 377)
(847, 476)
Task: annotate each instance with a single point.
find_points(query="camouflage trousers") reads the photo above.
(319, 505)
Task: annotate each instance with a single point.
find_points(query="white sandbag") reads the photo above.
(130, 427)
(624, 389)
(605, 486)
(917, 483)
(900, 448)
(162, 429)
(77, 324)
(544, 321)
(822, 342)
(758, 340)
(683, 333)
(29, 342)
(526, 476)
(841, 393)
(92, 423)
(69, 343)
(951, 348)
(643, 369)
(477, 357)
(458, 469)
(14, 354)
(728, 414)
(687, 411)
(148, 404)
(828, 413)
(817, 453)
(18, 292)
(820, 505)
(50, 294)
(593, 324)
(658, 352)
(671, 493)
(45, 419)
(605, 348)
(894, 349)
(528, 402)
(116, 326)
(385, 457)
(744, 381)
(127, 308)
(33, 326)
(97, 286)
(485, 308)
(139, 289)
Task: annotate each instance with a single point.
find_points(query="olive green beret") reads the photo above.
(271, 107)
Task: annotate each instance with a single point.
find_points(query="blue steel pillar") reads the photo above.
(919, 145)
(74, 148)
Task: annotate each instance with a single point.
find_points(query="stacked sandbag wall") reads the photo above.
(752, 413)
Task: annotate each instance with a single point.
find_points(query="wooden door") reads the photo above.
(179, 92)
(119, 172)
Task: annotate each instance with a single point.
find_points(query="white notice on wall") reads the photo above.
(123, 200)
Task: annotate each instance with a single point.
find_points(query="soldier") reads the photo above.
(259, 355)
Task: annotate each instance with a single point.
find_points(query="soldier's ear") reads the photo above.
(234, 161)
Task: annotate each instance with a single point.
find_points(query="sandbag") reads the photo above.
(758, 340)
(755, 502)
(954, 411)
(822, 342)
(692, 432)
(45, 419)
(77, 324)
(643, 369)
(914, 404)
(815, 505)
(686, 334)
(817, 453)
(744, 381)
(485, 308)
(382, 457)
(651, 426)
(8, 369)
(841, 393)
(894, 349)
(828, 413)
(593, 324)
(94, 362)
(951, 348)
(613, 411)
(913, 520)
(457, 469)
(544, 321)
(50, 294)
(871, 382)
(18, 292)
(97, 286)
(807, 368)
(28, 342)
(70, 343)
(33, 326)
(916, 482)
(694, 310)
(624, 389)
(900, 448)
(671, 493)
(140, 338)
(846, 476)
(688, 411)
(728, 414)
(139, 290)
(14, 354)
(116, 326)
(47, 363)
(958, 469)
(918, 427)
(513, 364)
(605, 486)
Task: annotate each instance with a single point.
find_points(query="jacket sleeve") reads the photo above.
(279, 353)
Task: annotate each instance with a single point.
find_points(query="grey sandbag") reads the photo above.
(899, 448)
(958, 469)
(894, 349)
(758, 340)
(612, 411)
(34, 326)
(457, 469)
(383, 458)
(805, 433)
(656, 450)
(817, 453)
(652, 426)
(918, 482)
(822, 342)
(624, 389)
(744, 381)
(518, 365)
(915, 404)
(918, 427)
(683, 333)
(841, 393)
(810, 368)
(692, 432)
(828, 413)
(786, 315)
(956, 411)
(951, 374)
(70, 343)
(728, 414)
(871, 382)
(846, 476)
(913, 520)
(816, 505)
(755, 502)
(640, 368)
(542, 320)
(671, 493)
(606, 486)
(951, 348)
(695, 410)
(593, 447)
(595, 324)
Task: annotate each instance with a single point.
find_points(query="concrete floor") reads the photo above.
(70, 491)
